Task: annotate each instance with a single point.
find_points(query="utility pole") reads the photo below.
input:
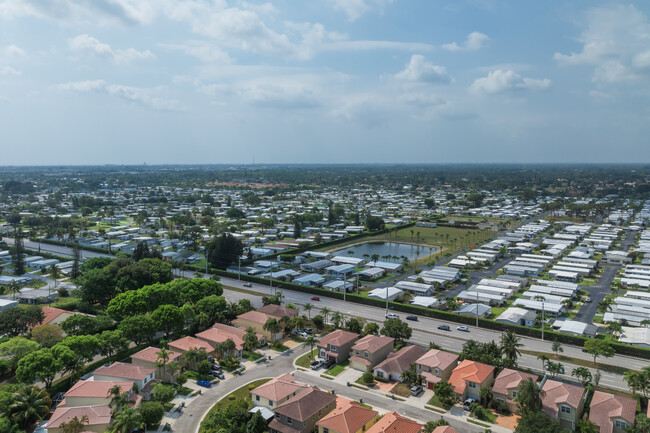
(239, 267)
(477, 309)
(386, 298)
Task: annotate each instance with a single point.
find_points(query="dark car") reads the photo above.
(444, 327)
(412, 318)
(315, 298)
(467, 404)
(204, 383)
(329, 363)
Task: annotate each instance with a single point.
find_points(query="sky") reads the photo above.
(323, 81)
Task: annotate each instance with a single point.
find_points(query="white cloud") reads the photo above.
(354, 9)
(615, 41)
(202, 50)
(7, 70)
(86, 43)
(14, 51)
(276, 95)
(141, 96)
(475, 41)
(422, 71)
(369, 110)
(501, 81)
(422, 100)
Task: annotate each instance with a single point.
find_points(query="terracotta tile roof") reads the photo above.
(187, 343)
(556, 393)
(360, 360)
(395, 423)
(214, 336)
(256, 317)
(509, 379)
(469, 371)
(96, 388)
(240, 332)
(444, 429)
(97, 415)
(435, 358)
(51, 313)
(337, 338)
(400, 361)
(605, 406)
(306, 404)
(124, 370)
(282, 428)
(277, 310)
(348, 417)
(279, 388)
(150, 354)
(430, 377)
(372, 343)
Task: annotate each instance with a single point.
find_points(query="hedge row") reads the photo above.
(72, 244)
(621, 349)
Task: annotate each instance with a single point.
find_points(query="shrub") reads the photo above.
(152, 412)
(367, 377)
(381, 379)
(251, 387)
(231, 397)
(204, 367)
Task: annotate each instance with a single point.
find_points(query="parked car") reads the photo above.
(416, 390)
(302, 334)
(329, 363)
(248, 284)
(463, 328)
(411, 317)
(392, 316)
(215, 367)
(444, 327)
(204, 383)
(308, 330)
(315, 298)
(315, 365)
(588, 300)
(218, 375)
(467, 404)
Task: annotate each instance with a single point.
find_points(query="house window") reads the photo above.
(471, 384)
(514, 394)
(436, 371)
(326, 430)
(379, 374)
(257, 398)
(333, 348)
(270, 402)
(565, 409)
(289, 421)
(620, 424)
(365, 354)
(357, 353)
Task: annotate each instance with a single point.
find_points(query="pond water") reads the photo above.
(387, 249)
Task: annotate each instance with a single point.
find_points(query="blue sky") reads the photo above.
(323, 81)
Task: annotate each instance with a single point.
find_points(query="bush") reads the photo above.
(63, 292)
(367, 377)
(164, 393)
(251, 387)
(152, 412)
(204, 367)
(381, 379)
(231, 397)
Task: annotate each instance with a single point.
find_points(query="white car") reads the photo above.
(463, 328)
(392, 316)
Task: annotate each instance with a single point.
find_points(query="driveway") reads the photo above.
(597, 293)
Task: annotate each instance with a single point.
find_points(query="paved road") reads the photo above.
(597, 293)
(56, 249)
(425, 330)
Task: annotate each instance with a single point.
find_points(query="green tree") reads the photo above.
(430, 426)
(557, 347)
(355, 324)
(29, 405)
(272, 327)
(164, 393)
(371, 328)
(529, 397)
(396, 329)
(318, 322)
(126, 421)
(75, 271)
(586, 426)
(445, 393)
(151, 412)
(411, 376)
(251, 342)
(18, 257)
(510, 346)
(41, 364)
(597, 347)
(168, 318)
(537, 422)
(17, 321)
(257, 424)
(139, 329)
(162, 358)
(224, 250)
(47, 335)
(16, 348)
(213, 306)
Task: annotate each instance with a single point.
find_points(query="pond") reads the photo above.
(387, 249)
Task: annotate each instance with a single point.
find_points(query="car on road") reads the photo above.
(315, 365)
(204, 383)
(463, 328)
(315, 298)
(248, 284)
(392, 316)
(416, 390)
(467, 404)
(588, 300)
(412, 317)
(444, 327)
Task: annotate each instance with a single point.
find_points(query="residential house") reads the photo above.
(444, 429)
(99, 418)
(398, 362)
(276, 391)
(184, 344)
(337, 345)
(97, 393)
(220, 333)
(278, 311)
(256, 320)
(55, 316)
(370, 351)
(149, 357)
(143, 377)
(469, 377)
(300, 413)
(435, 366)
(563, 402)
(506, 385)
(612, 413)
(348, 417)
(393, 423)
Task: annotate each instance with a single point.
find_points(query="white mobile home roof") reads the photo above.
(557, 291)
(471, 296)
(531, 304)
(508, 293)
(560, 284)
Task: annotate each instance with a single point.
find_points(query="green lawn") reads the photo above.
(435, 401)
(306, 359)
(241, 394)
(254, 356)
(338, 368)
(280, 348)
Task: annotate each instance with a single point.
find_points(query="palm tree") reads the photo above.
(615, 328)
(307, 307)
(557, 347)
(161, 361)
(29, 405)
(510, 345)
(325, 312)
(119, 399)
(126, 421)
(251, 341)
(194, 356)
(529, 397)
(13, 287)
(554, 368)
(229, 346)
(583, 375)
(75, 425)
(544, 359)
(485, 396)
(311, 340)
(272, 327)
(337, 318)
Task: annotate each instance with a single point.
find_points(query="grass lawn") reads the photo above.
(241, 394)
(306, 359)
(588, 282)
(280, 348)
(435, 401)
(338, 368)
(583, 362)
(401, 389)
(185, 391)
(254, 356)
